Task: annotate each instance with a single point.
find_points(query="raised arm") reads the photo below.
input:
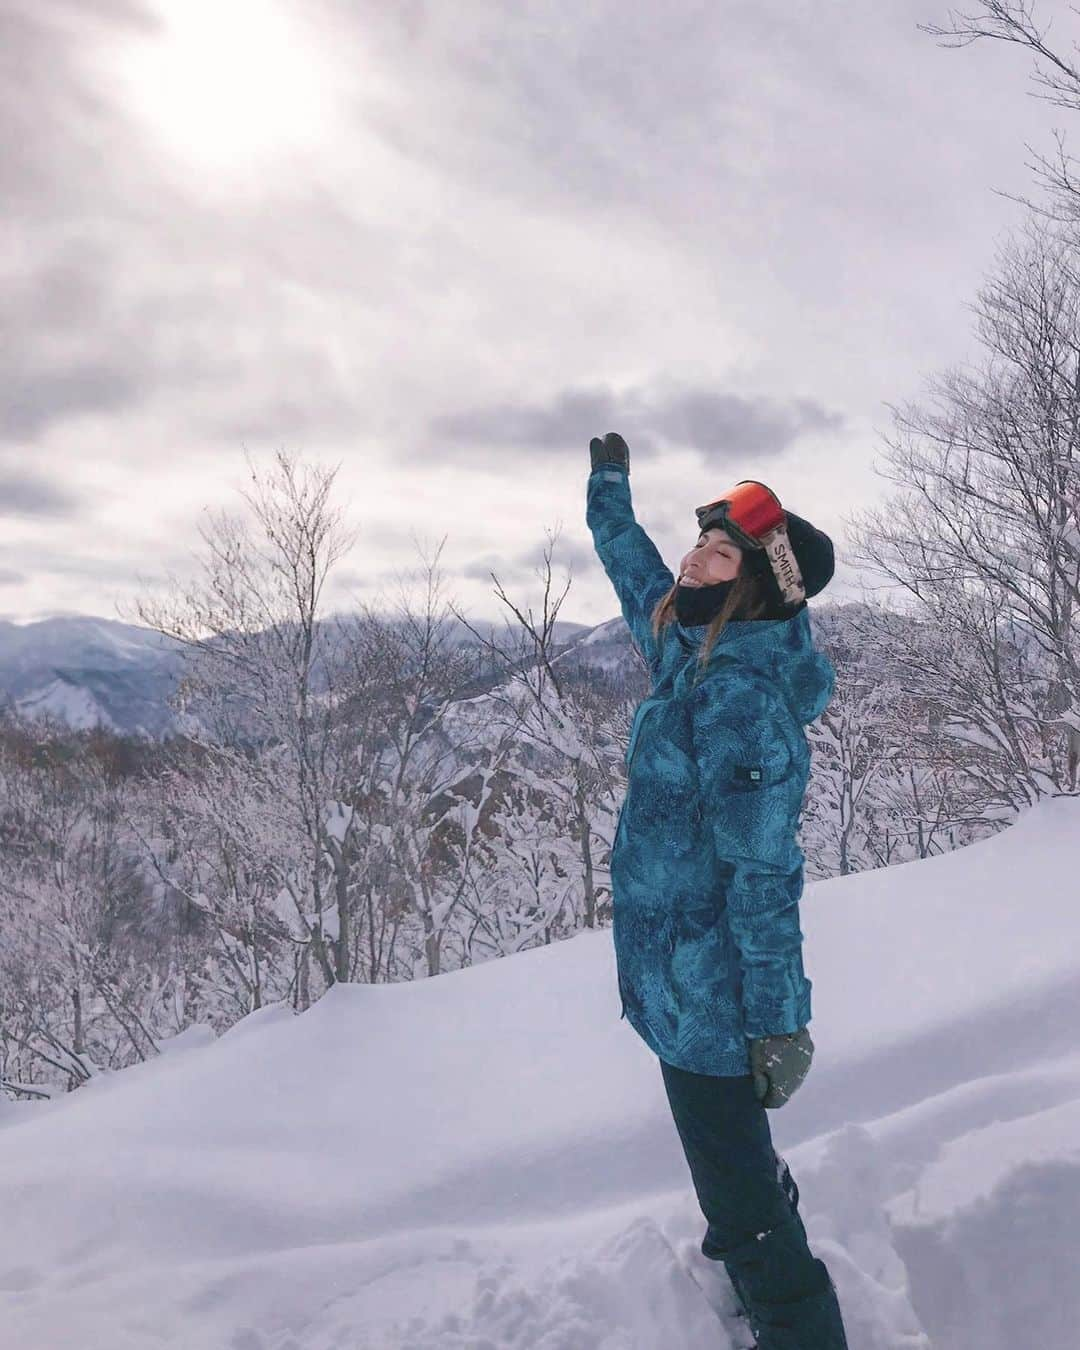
(630, 558)
(751, 795)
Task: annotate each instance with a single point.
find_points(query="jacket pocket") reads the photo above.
(751, 775)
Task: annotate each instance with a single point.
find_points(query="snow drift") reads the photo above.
(486, 1159)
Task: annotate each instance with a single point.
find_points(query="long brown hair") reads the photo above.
(747, 599)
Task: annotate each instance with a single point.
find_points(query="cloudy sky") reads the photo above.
(442, 245)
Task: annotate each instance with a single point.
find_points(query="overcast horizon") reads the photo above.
(444, 248)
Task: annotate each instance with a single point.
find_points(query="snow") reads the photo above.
(193, 1037)
(486, 1160)
(612, 630)
(68, 703)
(331, 922)
(338, 819)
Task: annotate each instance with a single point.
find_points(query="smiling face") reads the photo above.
(715, 557)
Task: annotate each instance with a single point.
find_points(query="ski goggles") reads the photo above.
(751, 513)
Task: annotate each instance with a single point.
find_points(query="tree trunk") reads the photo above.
(585, 834)
(78, 1043)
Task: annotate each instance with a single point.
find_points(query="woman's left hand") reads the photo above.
(611, 450)
(779, 1065)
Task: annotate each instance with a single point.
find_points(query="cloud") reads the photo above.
(618, 105)
(68, 354)
(509, 571)
(520, 229)
(568, 556)
(60, 562)
(566, 553)
(39, 398)
(68, 160)
(704, 419)
(91, 333)
(558, 424)
(60, 128)
(131, 286)
(25, 493)
(268, 314)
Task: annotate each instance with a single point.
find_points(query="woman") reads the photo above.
(705, 871)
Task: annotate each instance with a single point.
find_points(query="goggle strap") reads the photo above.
(785, 568)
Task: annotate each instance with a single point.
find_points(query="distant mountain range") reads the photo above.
(87, 671)
(90, 672)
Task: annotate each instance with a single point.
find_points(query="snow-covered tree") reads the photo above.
(261, 672)
(81, 987)
(983, 533)
(561, 728)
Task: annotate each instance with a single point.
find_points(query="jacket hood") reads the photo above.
(781, 650)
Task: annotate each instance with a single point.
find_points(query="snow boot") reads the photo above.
(791, 1301)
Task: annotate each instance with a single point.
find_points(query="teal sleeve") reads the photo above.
(630, 558)
(751, 794)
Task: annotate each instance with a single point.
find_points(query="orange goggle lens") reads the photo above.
(748, 512)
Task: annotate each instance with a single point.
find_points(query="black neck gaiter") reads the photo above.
(700, 604)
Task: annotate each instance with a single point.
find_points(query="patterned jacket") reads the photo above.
(706, 873)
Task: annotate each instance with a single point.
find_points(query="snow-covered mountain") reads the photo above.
(486, 1158)
(88, 671)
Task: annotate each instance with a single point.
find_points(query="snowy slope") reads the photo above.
(68, 703)
(486, 1159)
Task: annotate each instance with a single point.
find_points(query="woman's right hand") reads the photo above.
(779, 1065)
(611, 450)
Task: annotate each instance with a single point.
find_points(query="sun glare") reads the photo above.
(226, 82)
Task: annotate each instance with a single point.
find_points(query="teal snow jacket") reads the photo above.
(706, 874)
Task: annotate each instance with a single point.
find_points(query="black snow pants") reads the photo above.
(750, 1202)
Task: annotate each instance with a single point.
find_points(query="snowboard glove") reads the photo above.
(779, 1065)
(611, 450)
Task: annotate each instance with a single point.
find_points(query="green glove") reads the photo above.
(611, 450)
(779, 1065)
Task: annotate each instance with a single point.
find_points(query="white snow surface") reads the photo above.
(67, 702)
(487, 1160)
